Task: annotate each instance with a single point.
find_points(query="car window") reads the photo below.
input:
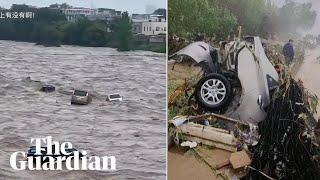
(115, 96)
(80, 93)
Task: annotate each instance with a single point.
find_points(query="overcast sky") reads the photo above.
(132, 6)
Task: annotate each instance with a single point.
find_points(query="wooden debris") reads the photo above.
(210, 136)
(218, 116)
(217, 145)
(240, 159)
(223, 164)
(209, 133)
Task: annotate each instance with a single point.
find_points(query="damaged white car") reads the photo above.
(237, 65)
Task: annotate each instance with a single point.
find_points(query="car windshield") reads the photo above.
(80, 93)
(113, 96)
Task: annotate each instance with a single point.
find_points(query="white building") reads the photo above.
(149, 25)
(154, 28)
(73, 13)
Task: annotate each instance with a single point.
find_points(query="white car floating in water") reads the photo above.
(246, 67)
(114, 97)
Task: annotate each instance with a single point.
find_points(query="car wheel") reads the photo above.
(213, 92)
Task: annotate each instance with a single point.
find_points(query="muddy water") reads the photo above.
(309, 73)
(133, 130)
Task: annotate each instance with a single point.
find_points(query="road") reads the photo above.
(309, 73)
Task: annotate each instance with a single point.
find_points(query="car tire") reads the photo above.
(213, 92)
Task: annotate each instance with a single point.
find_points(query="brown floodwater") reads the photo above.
(133, 130)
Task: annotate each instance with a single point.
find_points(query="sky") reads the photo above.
(132, 6)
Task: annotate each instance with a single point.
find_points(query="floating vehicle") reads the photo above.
(81, 97)
(32, 153)
(47, 88)
(114, 97)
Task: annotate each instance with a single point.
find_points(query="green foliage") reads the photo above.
(190, 17)
(49, 36)
(49, 27)
(122, 30)
(159, 48)
(218, 18)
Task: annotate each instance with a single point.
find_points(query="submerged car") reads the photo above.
(114, 97)
(81, 97)
(246, 67)
(32, 153)
(47, 88)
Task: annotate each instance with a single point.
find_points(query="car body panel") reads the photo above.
(251, 79)
(198, 51)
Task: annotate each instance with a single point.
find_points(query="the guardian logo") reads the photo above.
(56, 156)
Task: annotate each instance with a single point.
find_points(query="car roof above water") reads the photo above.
(80, 93)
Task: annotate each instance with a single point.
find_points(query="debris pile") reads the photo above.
(283, 146)
(286, 147)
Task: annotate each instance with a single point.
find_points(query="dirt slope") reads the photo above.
(309, 73)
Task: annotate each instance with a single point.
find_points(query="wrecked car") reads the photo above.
(237, 65)
(80, 97)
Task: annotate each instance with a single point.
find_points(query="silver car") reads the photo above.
(247, 68)
(80, 97)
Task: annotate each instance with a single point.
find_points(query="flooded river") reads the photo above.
(133, 131)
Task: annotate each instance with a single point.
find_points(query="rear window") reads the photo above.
(113, 96)
(80, 93)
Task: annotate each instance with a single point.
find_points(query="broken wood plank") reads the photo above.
(219, 116)
(223, 164)
(209, 133)
(217, 172)
(239, 159)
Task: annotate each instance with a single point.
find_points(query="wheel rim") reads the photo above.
(213, 91)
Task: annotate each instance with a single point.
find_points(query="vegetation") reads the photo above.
(49, 27)
(219, 18)
(122, 32)
(190, 17)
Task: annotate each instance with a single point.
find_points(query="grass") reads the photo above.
(177, 78)
(159, 48)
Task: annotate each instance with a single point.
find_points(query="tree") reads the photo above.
(50, 36)
(190, 17)
(122, 29)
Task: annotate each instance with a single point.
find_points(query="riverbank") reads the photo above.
(154, 48)
(49, 27)
(308, 73)
(182, 164)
